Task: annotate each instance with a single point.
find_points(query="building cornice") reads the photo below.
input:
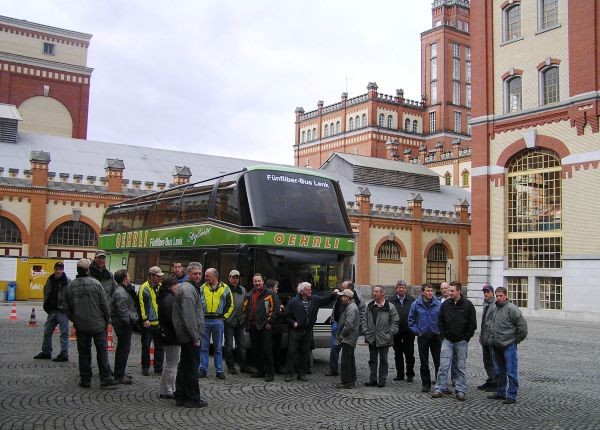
(46, 64)
(21, 24)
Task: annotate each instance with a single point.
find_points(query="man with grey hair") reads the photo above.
(300, 316)
(188, 322)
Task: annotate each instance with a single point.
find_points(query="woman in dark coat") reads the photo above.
(166, 294)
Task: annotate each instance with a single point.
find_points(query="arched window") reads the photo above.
(550, 88)
(381, 120)
(331, 129)
(514, 94)
(73, 233)
(351, 124)
(9, 232)
(436, 265)
(407, 124)
(308, 135)
(338, 127)
(304, 136)
(390, 121)
(314, 134)
(448, 178)
(326, 130)
(389, 250)
(465, 178)
(357, 121)
(512, 23)
(534, 208)
(414, 130)
(364, 120)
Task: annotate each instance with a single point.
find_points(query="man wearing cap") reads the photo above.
(234, 326)
(404, 340)
(218, 306)
(486, 341)
(99, 272)
(54, 297)
(347, 336)
(87, 307)
(149, 313)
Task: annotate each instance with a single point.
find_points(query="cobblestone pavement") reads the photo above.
(560, 380)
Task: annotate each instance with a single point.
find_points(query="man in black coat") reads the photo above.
(404, 340)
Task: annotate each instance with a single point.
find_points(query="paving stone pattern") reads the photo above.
(560, 389)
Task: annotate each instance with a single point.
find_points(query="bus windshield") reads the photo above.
(297, 201)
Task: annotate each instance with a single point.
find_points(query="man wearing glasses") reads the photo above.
(149, 311)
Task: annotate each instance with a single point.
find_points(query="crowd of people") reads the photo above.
(183, 315)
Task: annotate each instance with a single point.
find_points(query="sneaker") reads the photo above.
(509, 401)
(145, 372)
(85, 384)
(220, 375)
(409, 379)
(60, 358)
(43, 356)
(496, 397)
(109, 384)
(269, 378)
(460, 397)
(331, 372)
(201, 373)
(125, 380)
(436, 394)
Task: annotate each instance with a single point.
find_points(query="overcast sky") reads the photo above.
(224, 77)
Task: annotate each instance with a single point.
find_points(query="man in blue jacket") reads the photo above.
(423, 322)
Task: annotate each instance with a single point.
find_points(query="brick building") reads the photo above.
(43, 71)
(432, 130)
(536, 153)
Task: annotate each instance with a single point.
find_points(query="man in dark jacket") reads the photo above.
(234, 326)
(485, 340)
(99, 272)
(404, 341)
(457, 323)
(188, 322)
(259, 307)
(54, 296)
(87, 307)
(300, 316)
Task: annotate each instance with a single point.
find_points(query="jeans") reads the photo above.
(334, 352)
(298, 353)
(348, 367)
(56, 318)
(381, 353)
(488, 363)
(450, 352)
(428, 343)
(186, 381)
(404, 349)
(506, 365)
(214, 328)
(84, 347)
(262, 350)
(124, 334)
(169, 374)
(239, 335)
(150, 335)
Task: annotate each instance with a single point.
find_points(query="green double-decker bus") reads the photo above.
(289, 224)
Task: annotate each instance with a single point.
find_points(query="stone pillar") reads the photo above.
(363, 201)
(114, 172)
(39, 180)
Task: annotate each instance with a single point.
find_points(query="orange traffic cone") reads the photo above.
(152, 354)
(72, 334)
(32, 321)
(13, 312)
(109, 339)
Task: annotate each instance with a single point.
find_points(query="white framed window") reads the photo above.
(380, 120)
(415, 125)
(466, 26)
(433, 50)
(49, 48)
(364, 119)
(468, 123)
(467, 53)
(468, 72)
(456, 93)
(468, 95)
(390, 121)
(512, 23)
(338, 127)
(514, 94)
(456, 69)
(357, 121)
(331, 129)
(432, 122)
(351, 124)
(547, 14)
(434, 91)
(303, 139)
(308, 136)
(314, 134)
(456, 50)
(549, 83)
(549, 293)
(407, 124)
(326, 130)
(457, 122)
(434, 69)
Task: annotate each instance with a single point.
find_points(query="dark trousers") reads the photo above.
(84, 348)
(298, 353)
(348, 364)
(427, 344)
(262, 350)
(124, 334)
(278, 359)
(187, 389)
(404, 349)
(238, 334)
(150, 335)
(378, 354)
(488, 363)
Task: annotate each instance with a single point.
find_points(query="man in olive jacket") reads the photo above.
(188, 322)
(347, 336)
(379, 325)
(485, 339)
(507, 328)
(404, 340)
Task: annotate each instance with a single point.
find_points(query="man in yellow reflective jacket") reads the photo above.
(149, 316)
(218, 305)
